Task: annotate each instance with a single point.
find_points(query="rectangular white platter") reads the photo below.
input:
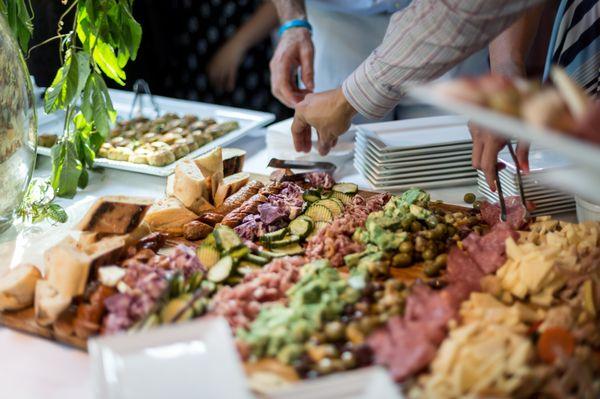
(122, 100)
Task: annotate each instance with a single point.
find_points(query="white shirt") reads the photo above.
(363, 7)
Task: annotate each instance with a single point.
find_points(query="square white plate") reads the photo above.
(410, 151)
(247, 119)
(386, 170)
(424, 153)
(417, 133)
(415, 180)
(415, 172)
(188, 360)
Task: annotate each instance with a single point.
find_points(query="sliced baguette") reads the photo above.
(49, 303)
(191, 187)
(115, 215)
(168, 216)
(67, 267)
(211, 166)
(230, 185)
(17, 287)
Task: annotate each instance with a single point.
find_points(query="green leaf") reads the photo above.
(97, 106)
(105, 58)
(66, 169)
(83, 179)
(68, 82)
(56, 213)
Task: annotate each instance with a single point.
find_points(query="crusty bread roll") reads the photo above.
(67, 267)
(17, 287)
(49, 303)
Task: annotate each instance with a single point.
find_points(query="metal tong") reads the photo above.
(503, 212)
(327, 167)
(141, 87)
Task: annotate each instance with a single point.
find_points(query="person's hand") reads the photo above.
(486, 147)
(295, 49)
(328, 112)
(223, 67)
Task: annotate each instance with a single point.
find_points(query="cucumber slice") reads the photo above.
(239, 252)
(292, 239)
(226, 238)
(319, 213)
(320, 225)
(234, 280)
(273, 236)
(208, 255)
(221, 270)
(343, 198)
(301, 226)
(335, 207)
(270, 254)
(326, 194)
(210, 240)
(177, 309)
(245, 268)
(337, 201)
(289, 250)
(311, 195)
(256, 259)
(345, 188)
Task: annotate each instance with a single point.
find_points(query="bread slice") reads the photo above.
(191, 187)
(115, 214)
(230, 185)
(170, 189)
(168, 216)
(17, 287)
(67, 267)
(49, 303)
(211, 166)
(575, 97)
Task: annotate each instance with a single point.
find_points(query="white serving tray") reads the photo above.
(122, 100)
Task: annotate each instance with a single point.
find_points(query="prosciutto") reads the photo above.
(515, 212)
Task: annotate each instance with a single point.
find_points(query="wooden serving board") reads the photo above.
(62, 330)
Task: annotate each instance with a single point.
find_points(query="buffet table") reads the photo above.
(31, 367)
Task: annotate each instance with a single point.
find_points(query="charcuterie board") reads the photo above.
(62, 331)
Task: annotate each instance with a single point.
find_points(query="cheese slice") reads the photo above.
(229, 186)
(115, 215)
(190, 187)
(49, 303)
(168, 216)
(211, 166)
(67, 267)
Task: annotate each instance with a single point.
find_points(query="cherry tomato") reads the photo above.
(555, 342)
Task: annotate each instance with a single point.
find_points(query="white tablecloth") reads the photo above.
(35, 368)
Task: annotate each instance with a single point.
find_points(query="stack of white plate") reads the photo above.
(547, 200)
(423, 152)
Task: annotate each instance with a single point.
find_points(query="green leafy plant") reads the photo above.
(37, 203)
(103, 39)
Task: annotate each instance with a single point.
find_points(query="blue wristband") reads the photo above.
(294, 23)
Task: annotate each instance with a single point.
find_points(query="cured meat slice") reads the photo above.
(462, 268)
(489, 251)
(515, 213)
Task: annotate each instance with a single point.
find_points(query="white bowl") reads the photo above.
(587, 211)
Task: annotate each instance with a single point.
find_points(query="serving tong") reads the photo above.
(503, 212)
(312, 166)
(140, 88)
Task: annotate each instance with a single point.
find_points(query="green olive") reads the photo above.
(451, 231)
(429, 234)
(402, 259)
(419, 244)
(415, 227)
(406, 247)
(334, 330)
(441, 260)
(367, 324)
(324, 366)
(441, 230)
(469, 198)
(431, 269)
(431, 221)
(477, 205)
(348, 359)
(449, 219)
(428, 254)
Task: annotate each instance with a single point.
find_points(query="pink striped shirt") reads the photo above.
(421, 43)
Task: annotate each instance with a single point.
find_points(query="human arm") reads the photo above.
(295, 49)
(422, 42)
(223, 67)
